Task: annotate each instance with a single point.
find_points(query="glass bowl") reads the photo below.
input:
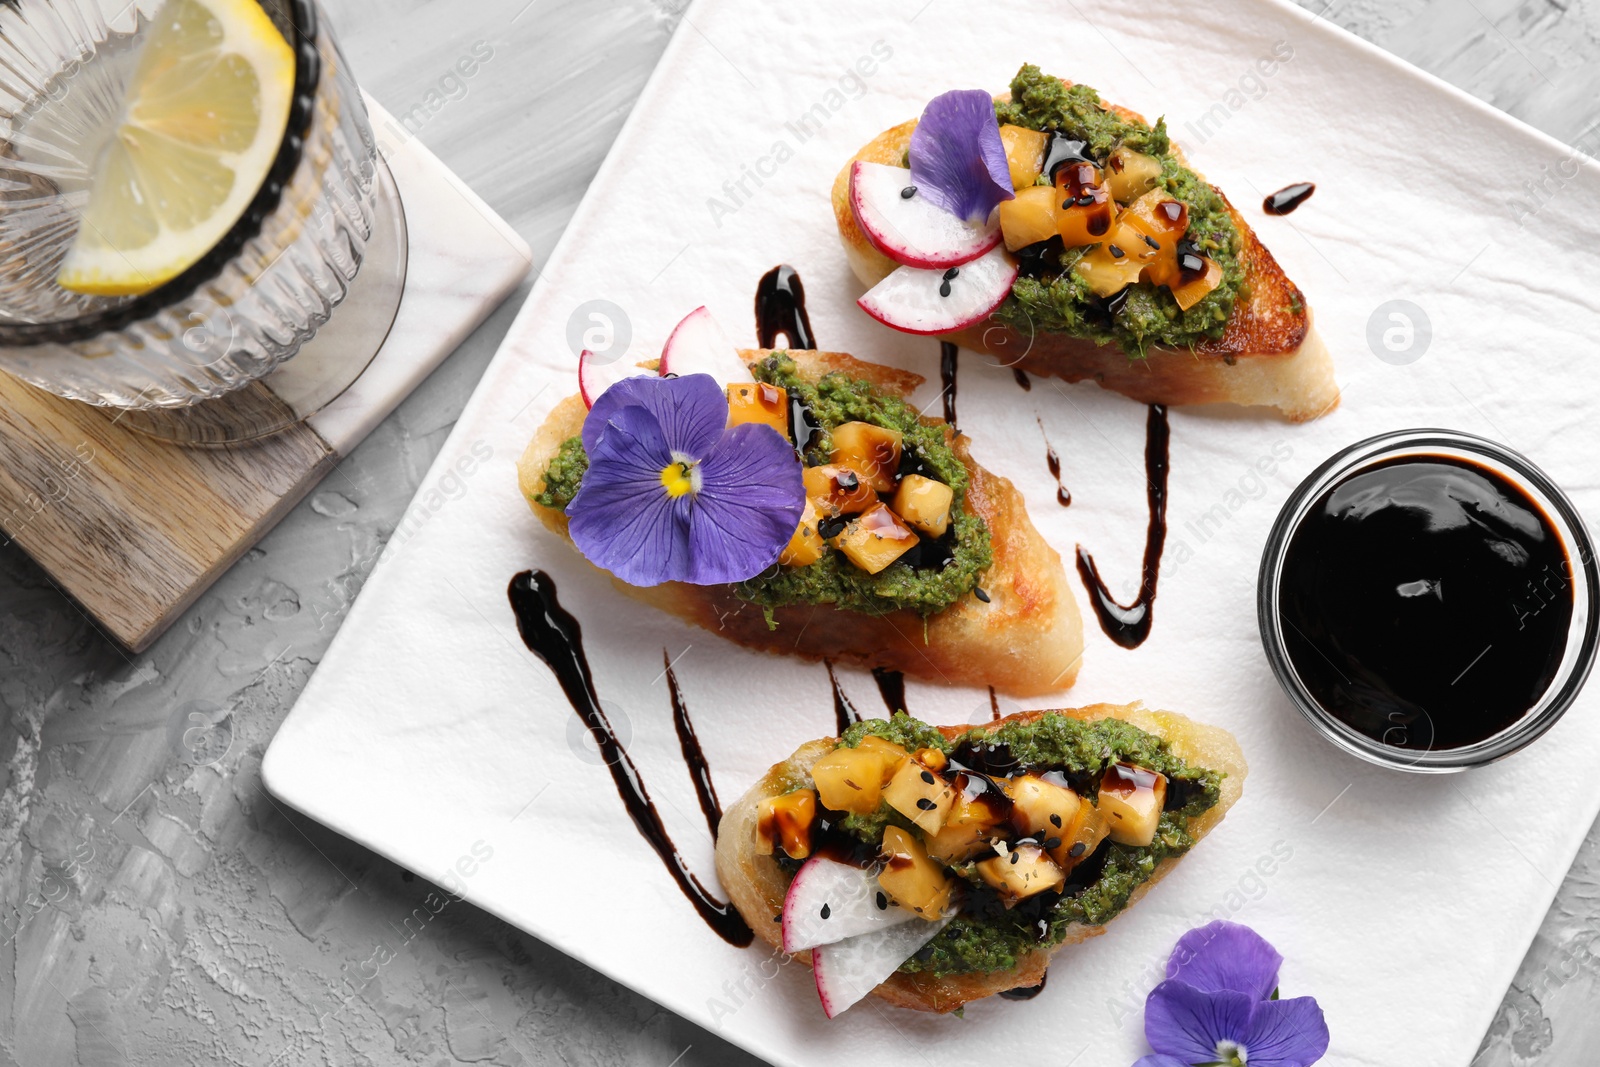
(1584, 580)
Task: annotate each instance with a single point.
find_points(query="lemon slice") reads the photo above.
(201, 125)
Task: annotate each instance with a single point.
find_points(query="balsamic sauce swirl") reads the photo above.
(844, 712)
(948, 351)
(892, 687)
(1288, 198)
(781, 309)
(1027, 992)
(552, 634)
(1129, 625)
(694, 757)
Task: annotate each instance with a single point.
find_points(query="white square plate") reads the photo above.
(1403, 903)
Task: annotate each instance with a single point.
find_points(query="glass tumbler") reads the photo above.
(326, 207)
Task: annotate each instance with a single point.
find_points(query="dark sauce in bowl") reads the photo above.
(1426, 601)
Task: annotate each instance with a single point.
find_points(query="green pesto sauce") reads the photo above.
(833, 579)
(564, 475)
(1063, 302)
(984, 943)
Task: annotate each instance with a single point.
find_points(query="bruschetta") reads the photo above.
(901, 552)
(931, 866)
(1098, 254)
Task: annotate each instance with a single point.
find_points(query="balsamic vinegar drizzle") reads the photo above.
(844, 712)
(1022, 379)
(1053, 461)
(947, 377)
(781, 309)
(994, 706)
(1026, 992)
(555, 637)
(694, 757)
(1288, 198)
(1129, 625)
(892, 686)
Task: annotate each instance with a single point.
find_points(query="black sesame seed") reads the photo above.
(826, 911)
(944, 288)
(1116, 252)
(883, 902)
(951, 273)
(1015, 856)
(1055, 820)
(927, 776)
(1068, 202)
(1077, 850)
(832, 527)
(978, 591)
(1052, 842)
(1151, 241)
(847, 481)
(777, 918)
(925, 804)
(908, 192)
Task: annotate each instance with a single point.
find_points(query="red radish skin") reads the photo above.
(908, 299)
(850, 894)
(848, 970)
(697, 345)
(912, 231)
(595, 378)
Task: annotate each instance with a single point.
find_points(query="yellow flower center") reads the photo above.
(678, 478)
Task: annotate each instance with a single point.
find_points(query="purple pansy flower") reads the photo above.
(957, 160)
(673, 494)
(1216, 1006)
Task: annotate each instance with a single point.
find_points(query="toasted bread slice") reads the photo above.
(756, 884)
(1268, 354)
(1026, 641)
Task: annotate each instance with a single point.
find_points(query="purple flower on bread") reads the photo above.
(957, 160)
(1219, 1006)
(673, 494)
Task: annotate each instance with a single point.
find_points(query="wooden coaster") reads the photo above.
(135, 529)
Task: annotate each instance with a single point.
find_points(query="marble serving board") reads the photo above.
(134, 529)
(1402, 902)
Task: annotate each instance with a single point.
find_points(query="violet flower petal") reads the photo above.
(1286, 1033)
(750, 500)
(1225, 955)
(622, 519)
(1186, 1023)
(1158, 1060)
(691, 411)
(957, 160)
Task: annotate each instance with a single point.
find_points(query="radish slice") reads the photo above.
(912, 229)
(829, 901)
(698, 346)
(914, 300)
(595, 378)
(852, 968)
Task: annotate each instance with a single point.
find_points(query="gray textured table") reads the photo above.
(156, 911)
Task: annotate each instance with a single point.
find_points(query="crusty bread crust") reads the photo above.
(756, 884)
(1028, 640)
(1268, 355)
